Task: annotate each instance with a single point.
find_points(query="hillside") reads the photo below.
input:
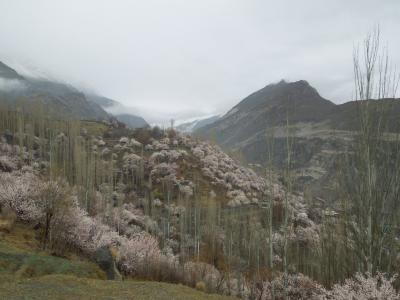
(116, 109)
(52, 97)
(160, 199)
(8, 73)
(189, 127)
(28, 272)
(268, 107)
(319, 131)
(155, 205)
(58, 99)
(66, 287)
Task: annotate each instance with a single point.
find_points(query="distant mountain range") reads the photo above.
(57, 98)
(113, 107)
(192, 126)
(321, 130)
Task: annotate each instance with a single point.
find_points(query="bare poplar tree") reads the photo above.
(373, 169)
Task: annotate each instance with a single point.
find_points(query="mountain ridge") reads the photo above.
(189, 127)
(320, 130)
(61, 99)
(269, 106)
(109, 105)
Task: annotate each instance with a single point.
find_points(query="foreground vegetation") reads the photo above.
(27, 272)
(69, 287)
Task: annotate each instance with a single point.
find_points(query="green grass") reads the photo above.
(18, 261)
(69, 287)
(25, 264)
(26, 272)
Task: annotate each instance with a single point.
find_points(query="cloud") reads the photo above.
(9, 85)
(183, 59)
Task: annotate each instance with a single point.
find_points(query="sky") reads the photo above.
(184, 59)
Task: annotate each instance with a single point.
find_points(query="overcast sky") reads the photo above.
(187, 58)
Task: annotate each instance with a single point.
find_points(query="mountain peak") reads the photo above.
(284, 82)
(300, 92)
(302, 82)
(270, 106)
(8, 73)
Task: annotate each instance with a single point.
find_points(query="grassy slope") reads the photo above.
(27, 273)
(69, 287)
(21, 257)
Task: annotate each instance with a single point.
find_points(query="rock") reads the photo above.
(104, 258)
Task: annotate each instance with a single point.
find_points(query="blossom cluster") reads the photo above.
(242, 184)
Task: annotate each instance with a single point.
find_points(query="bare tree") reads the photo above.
(373, 168)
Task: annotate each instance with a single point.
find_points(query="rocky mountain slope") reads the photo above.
(8, 73)
(58, 99)
(189, 127)
(319, 130)
(114, 108)
(52, 97)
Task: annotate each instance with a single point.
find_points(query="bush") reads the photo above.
(136, 251)
(19, 192)
(199, 272)
(201, 286)
(366, 286)
(298, 286)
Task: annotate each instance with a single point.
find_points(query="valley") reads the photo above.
(134, 166)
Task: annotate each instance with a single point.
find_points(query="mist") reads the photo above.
(9, 85)
(184, 59)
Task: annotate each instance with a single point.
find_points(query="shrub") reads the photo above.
(7, 164)
(366, 286)
(199, 272)
(134, 253)
(201, 286)
(19, 192)
(298, 286)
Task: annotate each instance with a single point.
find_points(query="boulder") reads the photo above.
(104, 258)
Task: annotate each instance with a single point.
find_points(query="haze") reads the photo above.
(187, 59)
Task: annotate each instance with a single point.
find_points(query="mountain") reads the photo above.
(268, 107)
(53, 97)
(132, 121)
(8, 73)
(59, 99)
(113, 107)
(320, 130)
(189, 127)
